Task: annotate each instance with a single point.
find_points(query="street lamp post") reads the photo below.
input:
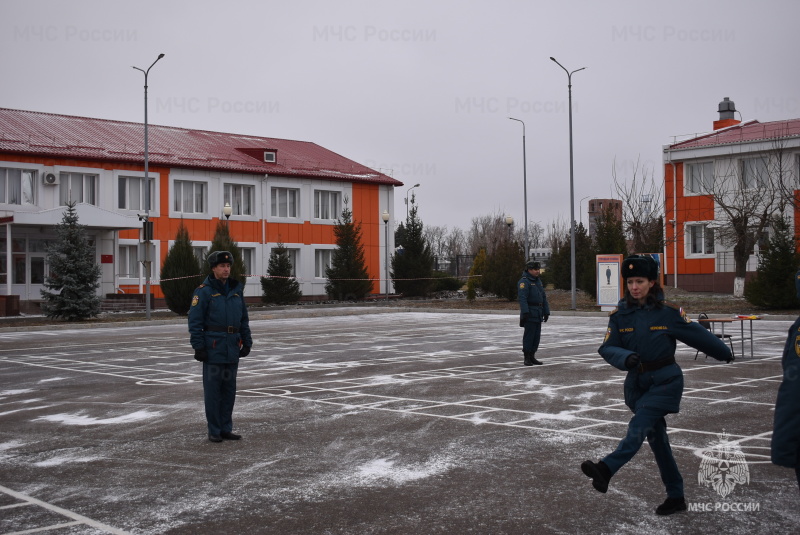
(524, 189)
(227, 210)
(147, 194)
(510, 223)
(580, 210)
(571, 187)
(385, 218)
(407, 192)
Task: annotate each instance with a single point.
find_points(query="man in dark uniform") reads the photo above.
(533, 308)
(219, 330)
(786, 430)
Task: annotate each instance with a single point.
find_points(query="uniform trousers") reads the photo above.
(219, 394)
(531, 336)
(650, 424)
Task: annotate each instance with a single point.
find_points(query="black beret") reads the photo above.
(533, 265)
(220, 257)
(640, 266)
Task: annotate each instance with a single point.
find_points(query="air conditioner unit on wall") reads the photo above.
(50, 179)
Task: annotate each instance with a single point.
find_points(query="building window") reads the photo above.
(200, 255)
(249, 259)
(129, 261)
(322, 261)
(132, 193)
(326, 204)
(17, 186)
(285, 202)
(77, 187)
(240, 198)
(754, 173)
(189, 197)
(293, 255)
(701, 177)
(701, 239)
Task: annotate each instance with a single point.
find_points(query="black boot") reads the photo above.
(534, 361)
(671, 505)
(528, 357)
(599, 473)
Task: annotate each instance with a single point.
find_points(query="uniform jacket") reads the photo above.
(651, 332)
(217, 306)
(786, 432)
(532, 299)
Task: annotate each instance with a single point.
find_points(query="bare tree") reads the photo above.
(436, 236)
(642, 207)
(747, 193)
(555, 234)
(486, 233)
(456, 242)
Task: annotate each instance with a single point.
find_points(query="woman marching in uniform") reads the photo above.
(641, 340)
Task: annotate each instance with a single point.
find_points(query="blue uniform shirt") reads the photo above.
(219, 306)
(532, 299)
(651, 332)
(786, 432)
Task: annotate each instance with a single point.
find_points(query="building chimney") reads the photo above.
(727, 109)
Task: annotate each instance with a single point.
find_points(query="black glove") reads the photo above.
(244, 351)
(632, 361)
(201, 355)
(523, 318)
(546, 317)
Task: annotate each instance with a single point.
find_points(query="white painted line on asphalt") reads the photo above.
(78, 519)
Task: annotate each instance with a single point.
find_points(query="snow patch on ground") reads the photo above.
(6, 393)
(65, 459)
(387, 469)
(81, 419)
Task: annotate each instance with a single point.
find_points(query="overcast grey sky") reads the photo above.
(420, 89)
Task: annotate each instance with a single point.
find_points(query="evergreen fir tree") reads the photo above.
(609, 237)
(773, 284)
(585, 262)
(347, 275)
(279, 287)
(181, 273)
(504, 267)
(71, 287)
(476, 274)
(223, 242)
(412, 268)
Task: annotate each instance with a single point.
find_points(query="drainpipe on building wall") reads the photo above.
(9, 251)
(675, 219)
(264, 259)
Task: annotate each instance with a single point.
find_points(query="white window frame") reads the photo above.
(249, 259)
(200, 252)
(123, 186)
(89, 182)
(706, 234)
(198, 192)
(322, 260)
(25, 191)
(327, 204)
(292, 197)
(241, 198)
(755, 172)
(129, 259)
(699, 178)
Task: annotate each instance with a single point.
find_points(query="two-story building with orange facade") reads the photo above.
(742, 157)
(279, 190)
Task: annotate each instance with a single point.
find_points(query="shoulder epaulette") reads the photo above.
(201, 286)
(613, 312)
(671, 305)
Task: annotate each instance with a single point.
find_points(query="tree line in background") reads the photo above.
(496, 249)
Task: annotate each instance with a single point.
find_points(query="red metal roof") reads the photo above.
(46, 134)
(742, 133)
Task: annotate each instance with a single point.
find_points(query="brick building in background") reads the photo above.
(279, 191)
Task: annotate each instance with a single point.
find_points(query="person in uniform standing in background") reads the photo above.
(640, 339)
(785, 447)
(219, 331)
(533, 310)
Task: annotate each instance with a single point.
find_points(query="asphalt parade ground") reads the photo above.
(365, 421)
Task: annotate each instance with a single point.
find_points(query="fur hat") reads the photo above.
(220, 257)
(797, 283)
(533, 265)
(640, 266)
